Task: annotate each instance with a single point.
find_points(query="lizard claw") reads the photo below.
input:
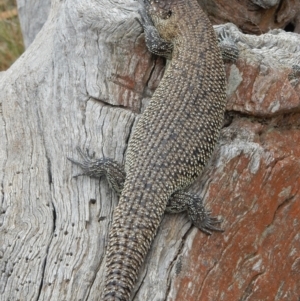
(85, 156)
(209, 224)
(96, 168)
(202, 218)
(87, 164)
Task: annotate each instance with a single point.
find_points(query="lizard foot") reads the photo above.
(154, 42)
(96, 168)
(294, 76)
(228, 47)
(202, 218)
(88, 163)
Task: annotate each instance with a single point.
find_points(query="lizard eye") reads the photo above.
(167, 14)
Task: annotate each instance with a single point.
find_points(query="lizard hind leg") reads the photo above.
(200, 217)
(96, 168)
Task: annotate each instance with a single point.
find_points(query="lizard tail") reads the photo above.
(135, 224)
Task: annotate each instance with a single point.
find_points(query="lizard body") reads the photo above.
(171, 143)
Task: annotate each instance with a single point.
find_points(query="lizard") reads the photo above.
(171, 143)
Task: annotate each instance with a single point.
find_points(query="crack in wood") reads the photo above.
(130, 128)
(274, 121)
(110, 105)
(176, 257)
(140, 285)
(43, 265)
(49, 170)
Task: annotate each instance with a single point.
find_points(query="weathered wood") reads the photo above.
(83, 81)
(255, 16)
(52, 235)
(33, 15)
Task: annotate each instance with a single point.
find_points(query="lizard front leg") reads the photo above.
(96, 168)
(157, 45)
(179, 201)
(154, 42)
(229, 49)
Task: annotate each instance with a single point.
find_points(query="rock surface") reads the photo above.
(255, 16)
(253, 183)
(264, 81)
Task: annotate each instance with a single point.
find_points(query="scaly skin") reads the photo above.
(171, 143)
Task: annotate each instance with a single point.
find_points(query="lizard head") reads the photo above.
(165, 15)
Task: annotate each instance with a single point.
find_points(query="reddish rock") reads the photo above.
(255, 16)
(254, 185)
(262, 94)
(263, 81)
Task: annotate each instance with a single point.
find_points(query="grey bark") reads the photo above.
(33, 15)
(83, 82)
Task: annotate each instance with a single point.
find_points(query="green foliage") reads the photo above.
(11, 41)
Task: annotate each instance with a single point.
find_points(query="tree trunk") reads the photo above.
(33, 15)
(83, 82)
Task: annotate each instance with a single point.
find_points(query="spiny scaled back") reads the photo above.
(172, 141)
